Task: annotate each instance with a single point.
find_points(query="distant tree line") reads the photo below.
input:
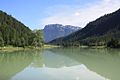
(104, 31)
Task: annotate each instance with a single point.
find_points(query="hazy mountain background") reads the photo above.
(53, 31)
(97, 32)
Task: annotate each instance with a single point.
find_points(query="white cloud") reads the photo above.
(78, 16)
(107, 0)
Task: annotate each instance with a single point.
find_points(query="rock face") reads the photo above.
(98, 32)
(53, 31)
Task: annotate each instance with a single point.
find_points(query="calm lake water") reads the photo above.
(61, 64)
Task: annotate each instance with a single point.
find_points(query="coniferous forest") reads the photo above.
(104, 31)
(59, 39)
(15, 33)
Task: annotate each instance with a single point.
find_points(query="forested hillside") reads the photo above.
(99, 32)
(13, 32)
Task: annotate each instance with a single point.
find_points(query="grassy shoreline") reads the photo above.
(92, 47)
(11, 48)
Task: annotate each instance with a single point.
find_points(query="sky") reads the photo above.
(37, 13)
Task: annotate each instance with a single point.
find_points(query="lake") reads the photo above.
(61, 64)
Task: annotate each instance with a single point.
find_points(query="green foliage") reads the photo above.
(95, 33)
(38, 38)
(1, 42)
(13, 32)
(113, 43)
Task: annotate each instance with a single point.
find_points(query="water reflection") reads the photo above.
(13, 62)
(105, 62)
(54, 60)
(60, 64)
(79, 72)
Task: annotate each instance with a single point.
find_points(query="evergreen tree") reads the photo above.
(113, 43)
(1, 42)
(14, 33)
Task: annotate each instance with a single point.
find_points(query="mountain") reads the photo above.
(98, 32)
(13, 32)
(53, 31)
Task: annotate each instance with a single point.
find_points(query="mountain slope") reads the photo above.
(13, 32)
(98, 32)
(54, 31)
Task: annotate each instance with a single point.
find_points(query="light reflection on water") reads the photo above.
(61, 64)
(78, 72)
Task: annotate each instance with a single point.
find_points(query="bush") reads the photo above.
(113, 43)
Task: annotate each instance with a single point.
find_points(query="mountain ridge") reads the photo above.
(53, 31)
(106, 27)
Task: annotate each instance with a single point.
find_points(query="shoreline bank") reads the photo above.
(11, 48)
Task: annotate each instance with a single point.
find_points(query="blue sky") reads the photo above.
(37, 13)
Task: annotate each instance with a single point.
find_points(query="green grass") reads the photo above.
(50, 46)
(11, 48)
